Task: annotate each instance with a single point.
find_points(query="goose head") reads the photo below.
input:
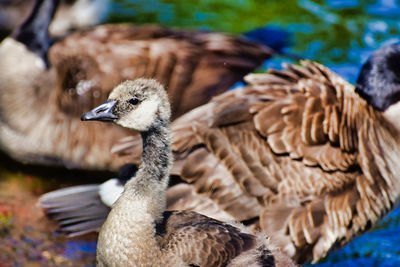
(25, 72)
(379, 82)
(138, 105)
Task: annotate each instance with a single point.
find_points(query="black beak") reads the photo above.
(102, 112)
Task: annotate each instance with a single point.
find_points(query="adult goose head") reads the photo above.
(46, 86)
(299, 153)
(137, 230)
(72, 14)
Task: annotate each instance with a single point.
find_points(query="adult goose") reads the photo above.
(299, 153)
(45, 86)
(137, 230)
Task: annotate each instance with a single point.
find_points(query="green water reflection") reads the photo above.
(327, 31)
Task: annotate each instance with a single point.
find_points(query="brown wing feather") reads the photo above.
(308, 122)
(210, 179)
(184, 196)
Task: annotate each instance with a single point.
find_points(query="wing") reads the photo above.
(300, 111)
(184, 197)
(311, 119)
(202, 241)
(193, 66)
(293, 117)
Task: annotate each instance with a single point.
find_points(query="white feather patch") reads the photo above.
(392, 114)
(110, 191)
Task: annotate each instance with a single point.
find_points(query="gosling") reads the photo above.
(138, 231)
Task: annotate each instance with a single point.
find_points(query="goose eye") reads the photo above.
(134, 101)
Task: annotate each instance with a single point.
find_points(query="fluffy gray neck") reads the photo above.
(152, 177)
(157, 155)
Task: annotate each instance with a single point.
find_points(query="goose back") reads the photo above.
(89, 63)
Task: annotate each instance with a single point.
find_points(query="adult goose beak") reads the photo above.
(102, 112)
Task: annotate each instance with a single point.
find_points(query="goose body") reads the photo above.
(137, 230)
(46, 85)
(298, 154)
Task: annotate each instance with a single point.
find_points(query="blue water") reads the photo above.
(378, 247)
(338, 33)
(75, 249)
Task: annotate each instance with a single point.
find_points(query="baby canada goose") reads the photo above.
(45, 86)
(137, 231)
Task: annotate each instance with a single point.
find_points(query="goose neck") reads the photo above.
(148, 187)
(157, 155)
